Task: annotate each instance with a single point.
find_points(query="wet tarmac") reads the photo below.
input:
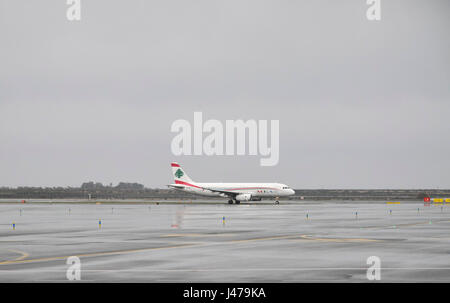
(295, 242)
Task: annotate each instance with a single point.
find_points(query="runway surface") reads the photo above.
(298, 242)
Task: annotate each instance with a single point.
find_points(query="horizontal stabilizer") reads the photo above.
(176, 186)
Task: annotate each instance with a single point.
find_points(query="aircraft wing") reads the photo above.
(223, 192)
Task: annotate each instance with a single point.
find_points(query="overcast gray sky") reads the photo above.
(361, 104)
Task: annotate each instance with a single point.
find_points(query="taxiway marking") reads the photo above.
(307, 237)
(22, 254)
(22, 259)
(195, 235)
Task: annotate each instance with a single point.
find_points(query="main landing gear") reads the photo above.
(277, 201)
(235, 201)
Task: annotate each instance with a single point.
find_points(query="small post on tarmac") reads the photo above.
(99, 224)
(223, 220)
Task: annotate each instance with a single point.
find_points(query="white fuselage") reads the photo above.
(256, 190)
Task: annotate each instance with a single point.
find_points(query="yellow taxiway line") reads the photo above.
(306, 237)
(196, 235)
(22, 254)
(22, 259)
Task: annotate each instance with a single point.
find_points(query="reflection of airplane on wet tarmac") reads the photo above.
(236, 192)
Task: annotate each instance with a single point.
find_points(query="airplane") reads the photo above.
(235, 192)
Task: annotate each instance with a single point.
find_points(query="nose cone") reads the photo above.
(291, 192)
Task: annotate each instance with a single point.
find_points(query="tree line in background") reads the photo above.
(124, 190)
(90, 190)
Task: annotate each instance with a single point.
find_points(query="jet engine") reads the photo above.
(243, 197)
